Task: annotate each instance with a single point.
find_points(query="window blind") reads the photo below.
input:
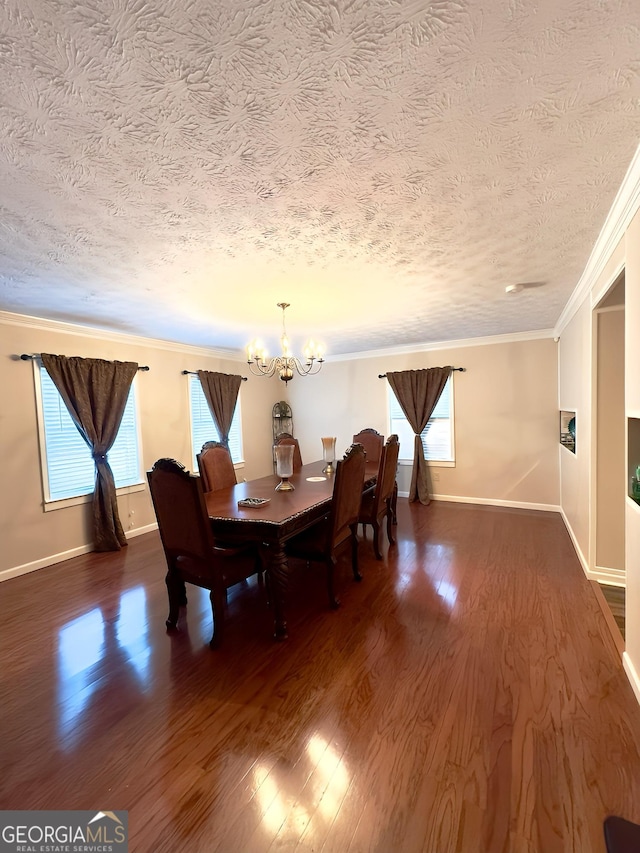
(203, 428)
(437, 437)
(69, 464)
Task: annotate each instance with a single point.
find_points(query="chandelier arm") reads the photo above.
(284, 364)
(258, 369)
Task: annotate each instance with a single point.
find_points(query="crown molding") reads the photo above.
(623, 209)
(61, 327)
(42, 324)
(515, 337)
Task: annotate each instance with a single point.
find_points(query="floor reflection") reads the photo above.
(93, 651)
(327, 782)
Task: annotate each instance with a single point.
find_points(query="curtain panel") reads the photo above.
(95, 393)
(417, 392)
(221, 392)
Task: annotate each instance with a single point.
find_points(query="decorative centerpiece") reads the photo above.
(284, 466)
(329, 455)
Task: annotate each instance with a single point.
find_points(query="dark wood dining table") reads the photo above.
(286, 514)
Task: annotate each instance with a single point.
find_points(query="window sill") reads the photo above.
(432, 463)
(49, 506)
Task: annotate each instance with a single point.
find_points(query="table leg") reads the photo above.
(278, 580)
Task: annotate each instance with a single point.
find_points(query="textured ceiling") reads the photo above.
(174, 169)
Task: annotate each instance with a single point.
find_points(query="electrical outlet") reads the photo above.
(435, 476)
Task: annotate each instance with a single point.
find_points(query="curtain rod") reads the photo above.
(195, 373)
(461, 369)
(26, 357)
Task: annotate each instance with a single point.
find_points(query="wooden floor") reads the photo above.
(467, 696)
(615, 598)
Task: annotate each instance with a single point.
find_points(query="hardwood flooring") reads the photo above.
(615, 598)
(467, 696)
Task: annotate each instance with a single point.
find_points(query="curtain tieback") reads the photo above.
(99, 457)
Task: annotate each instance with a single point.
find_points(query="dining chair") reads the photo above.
(377, 502)
(324, 541)
(286, 438)
(621, 836)
(373, 443)
(192, 554)
(216, 466)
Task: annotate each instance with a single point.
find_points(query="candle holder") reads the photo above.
(329, 455)
(284, 466)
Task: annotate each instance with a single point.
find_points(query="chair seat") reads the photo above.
(621, 836)
(368, 506)
(312, 543)
(236, 564)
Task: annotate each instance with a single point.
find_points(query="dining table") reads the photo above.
(271, 524)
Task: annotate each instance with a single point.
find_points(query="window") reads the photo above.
(203, 428)
(68, 467)
(437, 436)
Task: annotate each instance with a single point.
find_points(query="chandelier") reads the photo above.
(261, 365)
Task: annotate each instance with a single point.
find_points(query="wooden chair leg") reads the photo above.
(394, 503)
(354, 553)
(376, 539)
(389, 515)
(333, 601)
(218, 601)
(177, 595)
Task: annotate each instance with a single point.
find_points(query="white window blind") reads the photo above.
(437, 437)
(69, 466)
(203, 428)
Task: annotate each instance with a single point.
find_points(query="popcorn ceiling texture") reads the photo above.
(174, 169)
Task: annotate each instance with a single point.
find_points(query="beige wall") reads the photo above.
(506, 416)
(31, 537)
(632, 388)
(578, 382)
(611, 467)
(575, 395)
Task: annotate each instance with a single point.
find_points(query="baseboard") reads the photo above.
(489, 502)
(608, 618)
(632, 674)
(52, 559)
(576, 547)
(610, 577)
(139, 531)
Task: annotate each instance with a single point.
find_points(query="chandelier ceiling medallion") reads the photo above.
(261, 365)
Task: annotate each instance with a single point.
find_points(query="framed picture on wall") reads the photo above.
(568, 430)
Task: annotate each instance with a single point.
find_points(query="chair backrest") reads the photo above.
(347, 495)
(387, 470)
(285, 438)
(216, 466)
(179, 505)
(372, 442)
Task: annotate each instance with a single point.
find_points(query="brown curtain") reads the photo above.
(221, 392)
(95, 393)
(418, 391)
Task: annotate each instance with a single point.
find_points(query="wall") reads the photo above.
(576, 386)
(611, 466)
(617, 252)
(32, 538)
(506, 417)
(632, 394)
